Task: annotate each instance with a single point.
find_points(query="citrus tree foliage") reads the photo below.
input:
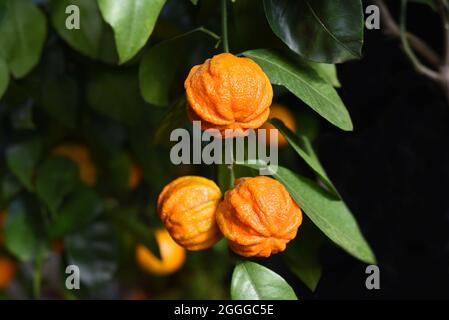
(115, 86)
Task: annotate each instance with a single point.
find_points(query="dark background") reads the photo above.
(393, 170)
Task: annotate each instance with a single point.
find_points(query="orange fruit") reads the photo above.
(258, 217)
(228, 92)
(81, 156)
(282, 113)
(135, 174)
(8, 270)
(172, 255)
(187, 207)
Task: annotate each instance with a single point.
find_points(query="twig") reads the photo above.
(392, 29)
(408, 50)
(224, 25)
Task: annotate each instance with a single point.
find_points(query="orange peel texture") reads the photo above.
(228, 92)
(187, 207)
(258, 217)
(172, 255)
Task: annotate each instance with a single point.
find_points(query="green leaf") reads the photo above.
(329, 31)
(157, 71)
(80, 208)
(329, 214)
(133, 22)
(23, 29)
(24, 231)
(327, 72)
(126, 220)
(251, 281)
(225, 177)
(22, 159)
(302, 254)
(117, 95)
(4, 77)
(95, 243)
(160, 64)
(119, 168)
(300, 79)
(175, 118)
(304, 149)
(56, 177)
(87, 39)
(9, 188)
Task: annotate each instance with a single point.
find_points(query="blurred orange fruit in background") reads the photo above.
(172, 256)
(282, 113)
(81, 156)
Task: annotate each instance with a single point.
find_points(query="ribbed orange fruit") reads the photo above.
(228, 92)
(258, 217)
(187, 207)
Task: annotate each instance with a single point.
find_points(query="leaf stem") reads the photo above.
(224, 25)
(37, 275)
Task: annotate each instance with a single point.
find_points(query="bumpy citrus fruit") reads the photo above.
(282, 113)
(228, 92)
(187, 207)
(258, 217)
(81, 156)
(8, 270)
(172, 255)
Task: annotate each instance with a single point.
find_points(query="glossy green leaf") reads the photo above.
(300, 79)
(251, 281)
(303, 148)
(96, 242)
(329, 214)
(23, 29)
(55, 178)
(329, 31)
(22, 159)
(302, 254)
(157, 71)
(328, 72)
(24, 231)
(87, 38)
(80, 208)
(4, 77)
(133, 22)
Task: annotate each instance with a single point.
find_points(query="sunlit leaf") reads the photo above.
(251, 281)
(300, 79)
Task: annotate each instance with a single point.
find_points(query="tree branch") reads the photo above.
(392, 29)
